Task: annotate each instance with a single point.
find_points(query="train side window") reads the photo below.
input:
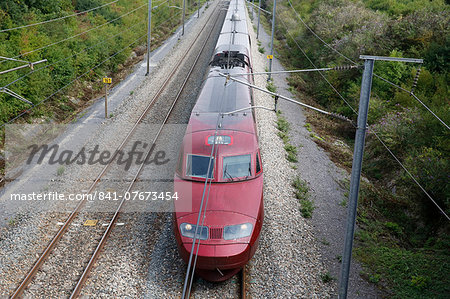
(197, 166)
(258, 163)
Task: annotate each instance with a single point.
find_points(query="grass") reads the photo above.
(397, 255)
(302, 193)
(283, 129)
(325, 242)
(326, 277)
(308, 127)
(60, 170)
(271, 87)
(419, 274)
(306, 208)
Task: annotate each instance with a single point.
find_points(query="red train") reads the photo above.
(229, 231)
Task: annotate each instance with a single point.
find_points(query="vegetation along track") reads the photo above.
(86, 239)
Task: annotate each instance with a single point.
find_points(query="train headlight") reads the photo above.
(188, 230)
(233, 232)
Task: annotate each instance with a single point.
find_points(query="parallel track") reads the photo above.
(43, 257)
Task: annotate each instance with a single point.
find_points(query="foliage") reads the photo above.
(400, 220)
(94, 48)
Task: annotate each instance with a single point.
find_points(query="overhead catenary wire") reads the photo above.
(86, 49)
(71, 56)
(65, 86)
(312, 31)
(409, 174)
(79, 34)
(352, 61)
(415, 97)
(60, 18)
(312, 63)
(286, 98)
(214, 149)
(336, 68)
(71, 82)
(375, 134)
(263, 10)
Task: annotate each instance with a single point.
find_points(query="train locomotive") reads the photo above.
(222, 147)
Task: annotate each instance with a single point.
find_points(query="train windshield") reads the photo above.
(197, 166)
(237, 167)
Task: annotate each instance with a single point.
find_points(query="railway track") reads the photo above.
(241, 286)
(102, 235)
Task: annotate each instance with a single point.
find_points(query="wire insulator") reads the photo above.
(346, 67)
(416, 78)
(341, 117)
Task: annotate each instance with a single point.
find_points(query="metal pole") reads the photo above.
(273, 31)
(198, 10)
(106, 100)
(360, 135)
(31, 65)
(184, 11)
(149, 33)
(259, 15)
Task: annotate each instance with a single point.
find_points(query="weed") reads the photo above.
(394, 227)
(261, 50)
(291, 157)
(339, 258)
(283, 136)
(131, 92)
(325, 242)
(111, 115)
(301, 188)
(375, 278)
(60, 170)
(293, 166)
(12, 222)
(315, 136)
(290, 148)
(282, 125)
(326, 277)
(271, 87)
(308, 127)
(343, 203)
(306, 208)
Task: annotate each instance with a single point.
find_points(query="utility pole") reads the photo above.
(366, 86)
(259, 15)
(273, 31)
(198, 10)
(184, 12)
(149, 33)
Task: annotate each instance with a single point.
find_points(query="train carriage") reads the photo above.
(229, 232)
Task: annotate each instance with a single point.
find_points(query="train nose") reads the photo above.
(219, 256)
